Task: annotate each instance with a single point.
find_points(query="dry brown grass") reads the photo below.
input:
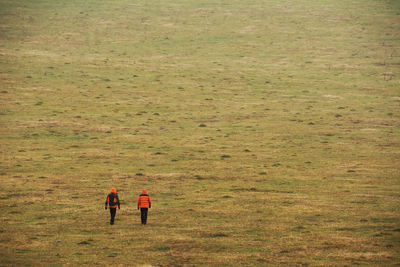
(266, 132)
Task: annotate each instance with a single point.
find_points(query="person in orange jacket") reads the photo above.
(144, 203)
(112, 200)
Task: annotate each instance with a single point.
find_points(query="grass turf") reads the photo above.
(266, 132)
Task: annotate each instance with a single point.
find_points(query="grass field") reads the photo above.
(266, 132)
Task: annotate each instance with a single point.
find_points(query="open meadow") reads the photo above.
(266, 132)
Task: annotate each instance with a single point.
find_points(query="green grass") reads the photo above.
(266, 132)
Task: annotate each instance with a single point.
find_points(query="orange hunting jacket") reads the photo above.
(112, 199)
(144, 200)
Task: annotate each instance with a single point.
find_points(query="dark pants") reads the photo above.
(143, 214)
(113, 211)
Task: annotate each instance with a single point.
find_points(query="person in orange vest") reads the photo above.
(112, 200)
(144, 203)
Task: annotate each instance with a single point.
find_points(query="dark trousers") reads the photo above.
(143, 214)
(113, 211)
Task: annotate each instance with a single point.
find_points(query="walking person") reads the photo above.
(112, 200)
(144, 203)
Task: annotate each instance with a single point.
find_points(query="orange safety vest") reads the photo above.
(112, 199)
(144, 200)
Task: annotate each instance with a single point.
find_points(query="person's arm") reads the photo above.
(107, 200)
(118, 202)
(149, 202)
(138, 202)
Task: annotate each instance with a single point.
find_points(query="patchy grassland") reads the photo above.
(266, 132)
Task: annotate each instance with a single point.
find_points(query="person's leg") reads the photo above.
(112, 213)
(141, 214)
(145, 215)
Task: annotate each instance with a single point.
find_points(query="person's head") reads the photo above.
(113, 190)
(144, 191)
